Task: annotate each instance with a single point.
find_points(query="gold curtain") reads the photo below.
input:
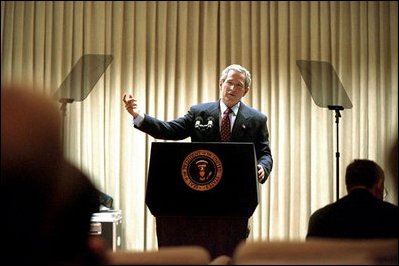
(169, 54)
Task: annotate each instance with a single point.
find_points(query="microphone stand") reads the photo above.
(203, 127)
(337, 108)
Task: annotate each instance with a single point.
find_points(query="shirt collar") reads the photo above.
(235, 108)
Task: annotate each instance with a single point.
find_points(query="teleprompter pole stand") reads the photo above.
(337, 108)
(327, 90)
(63, 108)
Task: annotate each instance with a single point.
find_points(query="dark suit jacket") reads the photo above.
(357, 215)
(250, 126)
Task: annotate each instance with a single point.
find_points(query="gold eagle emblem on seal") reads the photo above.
(202, 170)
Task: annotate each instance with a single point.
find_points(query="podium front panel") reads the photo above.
(202, 179)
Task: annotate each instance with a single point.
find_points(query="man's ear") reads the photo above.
(378, 190)
(246, 90)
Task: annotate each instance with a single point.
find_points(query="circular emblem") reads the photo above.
(202, 170)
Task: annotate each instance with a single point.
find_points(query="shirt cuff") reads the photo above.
(138, 120)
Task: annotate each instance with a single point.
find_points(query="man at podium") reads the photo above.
(225, 120)
(203, 122)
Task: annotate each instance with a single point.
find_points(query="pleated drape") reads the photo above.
(169, 54)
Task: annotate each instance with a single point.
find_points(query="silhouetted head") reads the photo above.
(362, 173)
(48, 202)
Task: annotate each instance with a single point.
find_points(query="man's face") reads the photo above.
(233, 88)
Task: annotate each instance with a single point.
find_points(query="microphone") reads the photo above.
(210, 122)
(198, 122)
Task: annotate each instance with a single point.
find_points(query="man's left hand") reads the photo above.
(261, 173)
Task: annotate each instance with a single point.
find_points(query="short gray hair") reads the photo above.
(237, 68)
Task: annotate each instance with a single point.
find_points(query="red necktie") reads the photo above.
(225, 133)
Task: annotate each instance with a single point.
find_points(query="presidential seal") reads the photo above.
(202, 170)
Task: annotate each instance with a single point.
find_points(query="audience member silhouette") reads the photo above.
(362, 213)
(393, 163)
(47, 202)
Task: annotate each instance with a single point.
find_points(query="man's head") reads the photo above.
(30, 157)
(234, 83)
(49, 199)
(362, 173)
(30, 130)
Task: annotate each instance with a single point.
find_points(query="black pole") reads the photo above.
(63, 108)
(337, 154)
(105, 199)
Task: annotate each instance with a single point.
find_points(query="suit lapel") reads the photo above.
(214, 111)
(239, 126)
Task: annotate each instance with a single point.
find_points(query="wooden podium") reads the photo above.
(202, 193)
